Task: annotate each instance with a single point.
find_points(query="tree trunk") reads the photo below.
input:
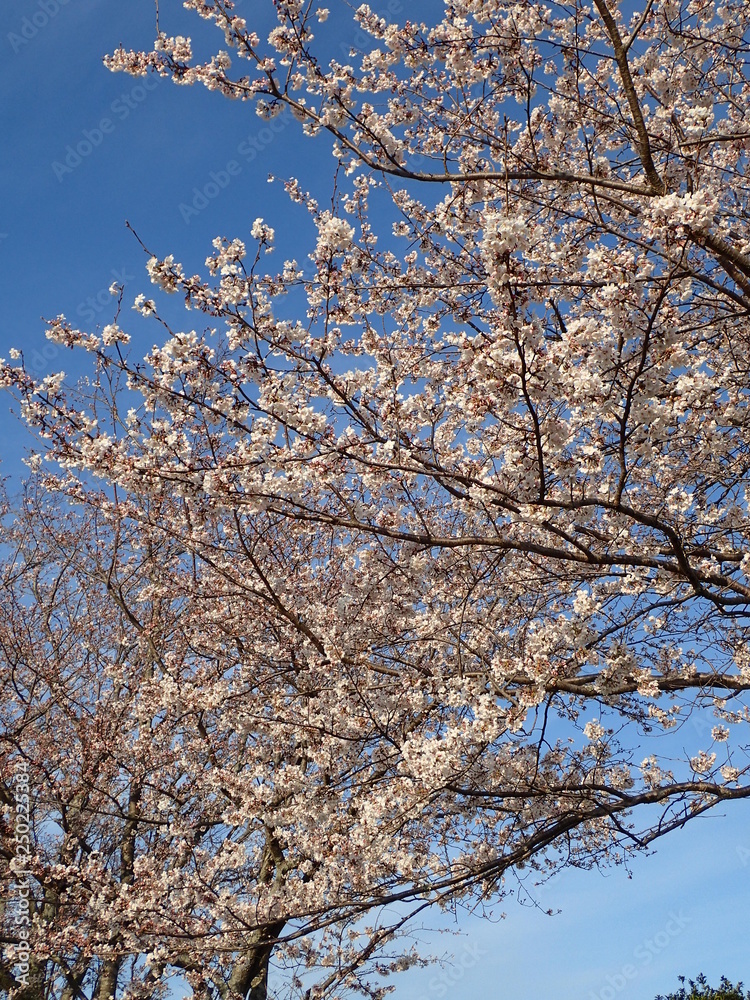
(108, 980)
(250, 976)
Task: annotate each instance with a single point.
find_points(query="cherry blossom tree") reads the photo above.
(172, 752)
(425, 567)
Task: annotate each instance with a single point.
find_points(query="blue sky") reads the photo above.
(85, 150)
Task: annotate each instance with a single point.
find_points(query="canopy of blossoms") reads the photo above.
(377, 592)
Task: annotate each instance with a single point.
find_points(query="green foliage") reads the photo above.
(699, 989)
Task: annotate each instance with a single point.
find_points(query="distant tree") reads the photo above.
(698, 989)
(377, 592)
